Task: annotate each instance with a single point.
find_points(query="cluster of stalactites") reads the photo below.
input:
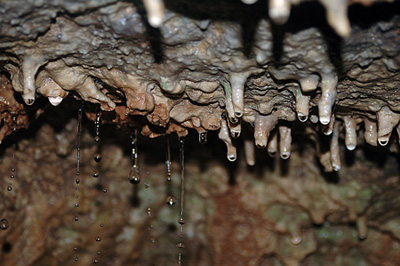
(278, 11)
(268, 133)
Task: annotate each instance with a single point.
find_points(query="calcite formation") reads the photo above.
(315, 75)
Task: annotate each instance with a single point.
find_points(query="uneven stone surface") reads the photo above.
(316, 81)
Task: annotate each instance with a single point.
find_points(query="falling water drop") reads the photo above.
(76, 218)
(181, 220)
(180, 245)
(77, 181)
(13, 169)
(149, 212)
(9, 188)
(95, 261)
(76, 205)
(96, 175)
(97, 157)
(78, 142)
(104, 190)
(168, 158)
(4, 224)
(97, 126)
(98, 239)
(101, 225)
(171, 200)
(76, 258)
(134, 175)
(98, 253)
(203, 137)
(75, 249)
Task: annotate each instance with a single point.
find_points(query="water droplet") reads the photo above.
(180, 245)
(77, 181)
(101, 225)
(76, 218)
(76, 258)
(134, 176)
(97, 138)
(97, 157)
(4, 224)
(12, 176)
(95, 261)
(203, 137)
(105, 191)
(98, 239)
(148, 211)
(75, 249)
(181, 221)
(13, 170)
(96, 175)
(9, 188)
(98, 252)
(76, 205)
(171, 200)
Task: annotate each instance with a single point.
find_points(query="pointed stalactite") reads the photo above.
(263, 125)
(224, 135)
(249, 152)
(371, 132)
(328, 97)
(302, 105)
(362, 227)
(350, 126)
(272, 147)
(336, 15)
(155, 12)
(230, 112)
(334, 149)
(279, 11)
(285, 142)
(387, 121)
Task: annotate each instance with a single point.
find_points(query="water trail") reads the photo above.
(13, 159)
(181, 221)
(134, 175)
(78, 142)
(168, 158)
(78, 160)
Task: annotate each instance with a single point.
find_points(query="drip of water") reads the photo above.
(4, 224)
(134, 175)
(203, 137)
(97, 126)
(171, 200)
(168, 158)
(78, 155)
(78, 142)
(181, 220)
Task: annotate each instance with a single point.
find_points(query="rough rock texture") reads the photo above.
(321, 75)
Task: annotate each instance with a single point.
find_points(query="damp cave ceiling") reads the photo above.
(328, 66)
